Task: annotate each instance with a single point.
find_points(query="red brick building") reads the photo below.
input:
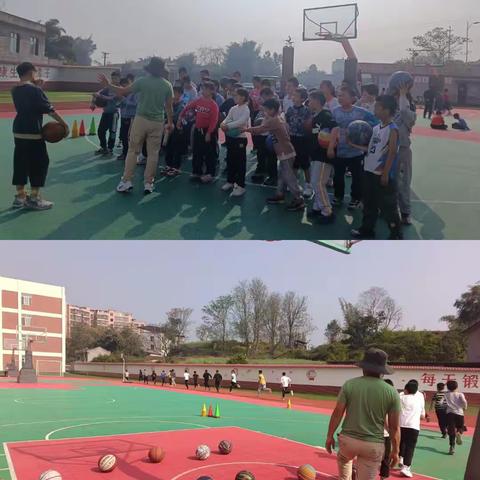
(35, 312)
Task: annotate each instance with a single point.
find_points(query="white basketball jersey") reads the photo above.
(378, 150)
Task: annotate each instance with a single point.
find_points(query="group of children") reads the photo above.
(438, 122)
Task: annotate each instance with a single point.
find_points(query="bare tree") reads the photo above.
(297, 319)
(274, 321)
(178, 321)
(211, 55)
(242, 313)
(216, 320)
(258, 293)
(377, 303)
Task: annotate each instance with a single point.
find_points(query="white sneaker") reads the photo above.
(308, 191)
(406, 472)
(124, 187)
(149, 188)
(227, 187)
(238, 191)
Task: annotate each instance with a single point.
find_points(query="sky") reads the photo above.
(149, 278)
(133, 29)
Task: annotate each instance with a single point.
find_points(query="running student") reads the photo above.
(30, 158)
(298, 117)
(286, 383)
(109, 121)
(456, 406)
(217, 378)
(206, 380)
(438, 400)
(285, 152)
(380, 187)
(163, 377)
(186, 378)
(262, 383)
(174, 378)
(195, 379)
(154, 377)
(347, 155)
(233, 381)
(234, 126)
(206, 122)
(321, 165)
(176, 146)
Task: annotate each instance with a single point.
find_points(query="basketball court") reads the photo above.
(72, 422)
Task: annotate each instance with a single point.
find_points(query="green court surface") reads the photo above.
(6, 97)
(98, 408)
(446, 203)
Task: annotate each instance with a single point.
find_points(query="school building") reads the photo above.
(32, 312)
(462, 81)
(24, 40)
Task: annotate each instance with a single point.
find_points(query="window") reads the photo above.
(26, 300)
(34, 46)
(152, 347)
(26, 321)
(14, 42)
(152, 339)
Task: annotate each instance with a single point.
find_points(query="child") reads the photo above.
(217, 378)
(206, 380)
(460, 123)
(440, 408)
(163, 377)
(109, 121)
(328, 89)
(380, 187)
(140, 376)
(456, 406)
(262, 383)
(266, 158)
(369, 95)
(286, 383)
(348, 156)
(297, 118)
(206, 120)
(219, 99)
(145, 376)
(238, 119)
(321, 166)
(413, 410)
(174, 378)
(154, 377)
(177, 142)
(438, 122)
(446, 102)
(186, 378)
(283, 147)
(195, 379)
(128, 110)
(30, 158)
(233, 380)
(256, 98)
(126, 376)
(385, 465)
(290, 88)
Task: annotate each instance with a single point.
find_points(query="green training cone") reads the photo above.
(93, 128)
(217, 411)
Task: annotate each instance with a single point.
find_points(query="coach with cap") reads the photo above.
(155, 98)
(366, 402)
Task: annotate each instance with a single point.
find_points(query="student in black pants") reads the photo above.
(438, 400)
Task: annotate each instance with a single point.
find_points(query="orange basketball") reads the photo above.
(306, 472)
(324, 139)
(107, 463)
(156, 454)
(53, 132)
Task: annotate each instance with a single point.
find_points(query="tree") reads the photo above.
(83, 49)
(242, 313)
(440, 41)
(130, 342)
(274, 321)
(258, 293)
(109, 339)
(211, 55)
(216, 320)
(297, 319)
(81, 337)
(333, 331)
(468, 309)
(375, 302)
(176, 327)
(359, 329)
(312, 77)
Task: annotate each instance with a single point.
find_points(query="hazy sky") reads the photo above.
(149, 278)
(138, 28)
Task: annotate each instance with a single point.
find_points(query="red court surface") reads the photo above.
(267, 457)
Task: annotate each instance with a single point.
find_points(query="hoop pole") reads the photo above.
(347, 46)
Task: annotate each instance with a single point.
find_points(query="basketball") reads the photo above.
(306, 472)
(244, 475)
(156, 454)
(50, 475)
(53, 132)
(107, 463)
(398, 79)
(324, 138)
(225, 447)
(360, 133)
(203, 452)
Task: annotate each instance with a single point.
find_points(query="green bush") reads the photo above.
(237, 359)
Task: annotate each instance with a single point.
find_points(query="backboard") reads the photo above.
(22, 339)
(337, 22)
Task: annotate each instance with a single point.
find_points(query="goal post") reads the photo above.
(48, 367)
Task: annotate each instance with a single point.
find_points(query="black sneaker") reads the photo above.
(101, 151)
(354, 205)
(270, 182)
(276, 200)
(361, 235)
(326, 220)
(296, 206)
(314, 213)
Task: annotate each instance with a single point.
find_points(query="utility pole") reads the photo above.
(467, 43)
(105, 56)
(449, 57)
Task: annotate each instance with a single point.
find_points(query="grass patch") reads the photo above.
(64, 97)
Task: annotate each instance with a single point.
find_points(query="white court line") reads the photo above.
(9, 462)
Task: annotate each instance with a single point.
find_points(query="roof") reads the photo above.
(22, 22)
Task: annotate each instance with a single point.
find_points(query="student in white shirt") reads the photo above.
(238, 119)
(413, 411)
(186, 378)
(233, 381)
(286, 383)
(456, 406)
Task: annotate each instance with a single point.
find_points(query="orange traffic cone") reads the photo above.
(82, 132)
(210, 411)
(289, 404)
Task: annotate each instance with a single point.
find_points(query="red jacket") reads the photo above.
(206, 113)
